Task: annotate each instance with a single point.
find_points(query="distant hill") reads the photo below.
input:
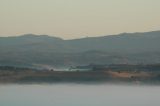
(30, 49)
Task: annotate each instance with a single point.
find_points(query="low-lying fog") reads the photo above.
(79, 95)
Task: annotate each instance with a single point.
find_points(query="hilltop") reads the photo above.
(30, 49)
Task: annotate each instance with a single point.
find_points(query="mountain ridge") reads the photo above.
(133, 48)
(120, 34)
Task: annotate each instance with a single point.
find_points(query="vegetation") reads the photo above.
(147, 74)
(131, 48)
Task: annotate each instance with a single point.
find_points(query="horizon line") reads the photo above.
(87, 36)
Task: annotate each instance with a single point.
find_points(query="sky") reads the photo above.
(71, 19)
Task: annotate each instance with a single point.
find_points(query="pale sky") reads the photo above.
(78, 18)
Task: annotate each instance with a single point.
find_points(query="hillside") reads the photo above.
(30, 49)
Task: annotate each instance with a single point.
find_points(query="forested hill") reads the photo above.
(33, 49)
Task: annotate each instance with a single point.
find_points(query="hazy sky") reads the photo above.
(78, 18)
